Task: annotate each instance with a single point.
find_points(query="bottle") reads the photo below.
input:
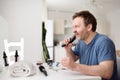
(16, 56)
(5, 59)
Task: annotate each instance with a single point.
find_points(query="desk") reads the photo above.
(52, 75)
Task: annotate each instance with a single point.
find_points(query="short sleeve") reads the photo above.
(106, 50)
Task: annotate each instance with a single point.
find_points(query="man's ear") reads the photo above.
(89, 27)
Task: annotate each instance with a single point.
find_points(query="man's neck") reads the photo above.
(90, 37)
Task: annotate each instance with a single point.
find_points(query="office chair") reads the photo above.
(11, 48)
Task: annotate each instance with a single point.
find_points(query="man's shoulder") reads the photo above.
(102, 38)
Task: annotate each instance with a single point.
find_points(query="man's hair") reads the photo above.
(88, 18)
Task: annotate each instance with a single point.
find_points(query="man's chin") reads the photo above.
(78, 38)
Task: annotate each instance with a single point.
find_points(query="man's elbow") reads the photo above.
(107, 76)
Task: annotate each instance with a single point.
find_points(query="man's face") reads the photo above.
(81, 31)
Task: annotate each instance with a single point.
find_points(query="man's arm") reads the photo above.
(70, 54)
(104, 69)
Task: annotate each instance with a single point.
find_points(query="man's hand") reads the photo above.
(69, 63)
(68, 45)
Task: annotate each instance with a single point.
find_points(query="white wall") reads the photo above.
(114, 20)
(44, 10)
(22, 18)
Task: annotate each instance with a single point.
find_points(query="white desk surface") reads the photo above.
(52, 75)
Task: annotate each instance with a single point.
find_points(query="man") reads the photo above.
(96, 52)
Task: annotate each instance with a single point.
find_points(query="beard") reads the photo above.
(78, 37)
(81, 36)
